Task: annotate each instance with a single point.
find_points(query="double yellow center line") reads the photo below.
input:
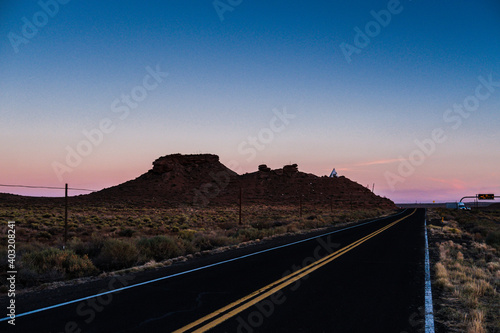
(231, 310)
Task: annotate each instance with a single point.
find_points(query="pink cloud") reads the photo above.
(454, 183)
(388, 161)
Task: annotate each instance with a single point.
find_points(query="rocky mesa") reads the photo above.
(202, 180)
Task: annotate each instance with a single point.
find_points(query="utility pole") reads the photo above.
(241, 197)
(65, 215)
(373, 188)
(300, 205)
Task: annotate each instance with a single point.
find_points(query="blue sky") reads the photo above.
(226, 79)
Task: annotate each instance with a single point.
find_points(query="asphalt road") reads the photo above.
(364, 279)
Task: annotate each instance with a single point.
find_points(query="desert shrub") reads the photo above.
(311, 224)
(127, 232)
(343, 217)
(263, 224)
(117, 254)
(278, 223)
(54, 264)
(181, 219)
(228, 224)
(249, 234)
(281, 229)
(211, 241)
(92, 248)
(158, 248)
(54, 230)
(292, 227)
(44, 235)
(188, 246)
(24, 248)
(187, 234)
(493, 239)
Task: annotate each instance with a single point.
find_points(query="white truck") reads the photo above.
(456, 205)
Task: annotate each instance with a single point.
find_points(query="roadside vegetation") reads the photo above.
(108, 238)
(465, 249)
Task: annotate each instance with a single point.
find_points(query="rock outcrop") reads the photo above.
(186, 162)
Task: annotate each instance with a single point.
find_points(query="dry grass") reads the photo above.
(476, 324)
(45, 224)
(442, 278)
(466, 272)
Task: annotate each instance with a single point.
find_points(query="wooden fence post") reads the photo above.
(241, 202)
(300, 204)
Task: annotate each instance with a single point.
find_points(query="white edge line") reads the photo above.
(429, 311)
(198, 269)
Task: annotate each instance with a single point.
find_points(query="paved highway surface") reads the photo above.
(368, 278)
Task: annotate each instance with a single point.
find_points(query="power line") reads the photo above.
(48, 187)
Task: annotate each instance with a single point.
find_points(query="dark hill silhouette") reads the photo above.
(202, 180)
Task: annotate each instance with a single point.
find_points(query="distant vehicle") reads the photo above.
(456, 205)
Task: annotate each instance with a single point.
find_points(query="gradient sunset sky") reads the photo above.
(405, 94)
